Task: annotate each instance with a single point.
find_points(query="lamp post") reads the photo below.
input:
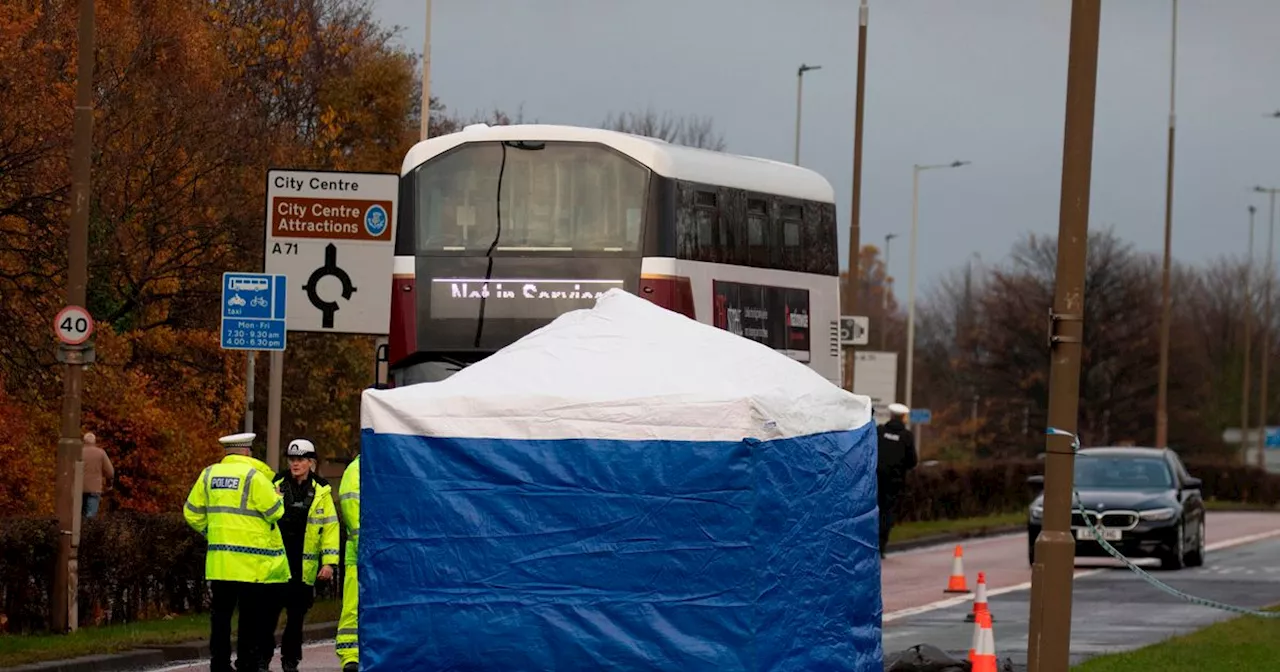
(1261, 457)
(884, 292)
(911, 272)
(799, 95)
(1162, 391)
(1248, 338)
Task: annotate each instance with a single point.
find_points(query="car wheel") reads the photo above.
(1195, 557)
(1176, 557)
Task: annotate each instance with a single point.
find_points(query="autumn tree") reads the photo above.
(692, 131)
(193, 103)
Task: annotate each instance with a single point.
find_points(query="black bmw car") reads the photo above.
(1142, 500)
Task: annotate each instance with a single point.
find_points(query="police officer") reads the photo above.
(234, 505)
(309, 529)
(897, 453)
(347, 642)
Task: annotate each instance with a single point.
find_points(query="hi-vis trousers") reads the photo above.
(347, 643)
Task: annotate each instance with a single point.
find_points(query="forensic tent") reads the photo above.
(622, 489)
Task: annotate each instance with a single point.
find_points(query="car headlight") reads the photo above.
(1158, 514)
(1037, 511)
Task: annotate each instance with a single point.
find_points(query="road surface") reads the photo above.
(1113, 609)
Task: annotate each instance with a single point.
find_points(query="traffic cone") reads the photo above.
(984, 655)
(956, 584)
(980, 600)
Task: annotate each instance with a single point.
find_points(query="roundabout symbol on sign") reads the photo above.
(73, 325)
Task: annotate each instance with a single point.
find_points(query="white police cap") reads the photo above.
(244, 440)
(301, 448)
(899, 409)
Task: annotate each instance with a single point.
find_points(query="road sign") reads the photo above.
(876, 375)
(333, 235)
(854, 330)
(73, 325)
(253, 311)
(921, 416)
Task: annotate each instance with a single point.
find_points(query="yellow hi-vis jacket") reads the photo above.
(349, 500)
(320, 545)
(235, 506)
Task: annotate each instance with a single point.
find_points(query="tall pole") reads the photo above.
(911, 283)
(1248, 342)
(1162, 392)
(1050, 632)
(799, 96)
(1263, 404)
(911, 270)
(62, 606)
(248, 392)
(884, 293)
(850, 296)
(426, 76)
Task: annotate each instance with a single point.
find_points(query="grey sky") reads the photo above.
(981, 80)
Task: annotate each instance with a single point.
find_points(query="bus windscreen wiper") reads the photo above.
(525, 145)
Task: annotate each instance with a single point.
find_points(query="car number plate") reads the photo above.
(1083, 533)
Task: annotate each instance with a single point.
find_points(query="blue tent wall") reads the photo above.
(486, 554)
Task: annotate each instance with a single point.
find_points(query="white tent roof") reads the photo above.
(625, 369)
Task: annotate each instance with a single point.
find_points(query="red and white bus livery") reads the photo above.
(504, 228)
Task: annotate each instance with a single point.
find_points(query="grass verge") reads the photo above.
(1237, 645)
(928, 528)
(23, 649)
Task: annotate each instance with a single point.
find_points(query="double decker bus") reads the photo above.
(504, 228)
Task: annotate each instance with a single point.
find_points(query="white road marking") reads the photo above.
(180, 667)
(954, 601)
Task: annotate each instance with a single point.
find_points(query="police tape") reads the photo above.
(1142, 573)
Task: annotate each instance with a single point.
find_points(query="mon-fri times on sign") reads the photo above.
(253, 311)
(333, 235)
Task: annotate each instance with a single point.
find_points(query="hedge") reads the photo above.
(945, 492)
(133, 566)
(136, 566)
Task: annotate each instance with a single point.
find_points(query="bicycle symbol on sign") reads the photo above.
(258, 302)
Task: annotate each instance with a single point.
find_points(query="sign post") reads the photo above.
(332, 234)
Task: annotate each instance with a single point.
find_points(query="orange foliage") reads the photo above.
(194, 101)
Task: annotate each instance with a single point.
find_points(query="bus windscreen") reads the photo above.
(556, 198)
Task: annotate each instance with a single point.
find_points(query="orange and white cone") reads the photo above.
(956, 583)
(980, 600)
(984, 654)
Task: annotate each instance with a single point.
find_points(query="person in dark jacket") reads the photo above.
(309, 530)
(897, 453)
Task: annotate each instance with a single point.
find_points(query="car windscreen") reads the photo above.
(1122, 472)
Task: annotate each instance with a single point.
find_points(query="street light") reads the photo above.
(911, 280)
(1261, 457)
(1248, 338)
(884, 292)
(799, 93)
(1162, 389)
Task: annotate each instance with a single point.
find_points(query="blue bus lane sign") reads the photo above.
(253, 311)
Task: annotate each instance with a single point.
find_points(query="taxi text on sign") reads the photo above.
(333, 235)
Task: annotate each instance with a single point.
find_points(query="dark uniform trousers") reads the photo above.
(252, 600)
(295, 599)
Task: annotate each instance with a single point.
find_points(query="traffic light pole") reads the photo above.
(1050, 633)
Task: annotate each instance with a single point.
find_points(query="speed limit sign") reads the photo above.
(73, 325)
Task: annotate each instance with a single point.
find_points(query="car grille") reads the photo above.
(1114, 520)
